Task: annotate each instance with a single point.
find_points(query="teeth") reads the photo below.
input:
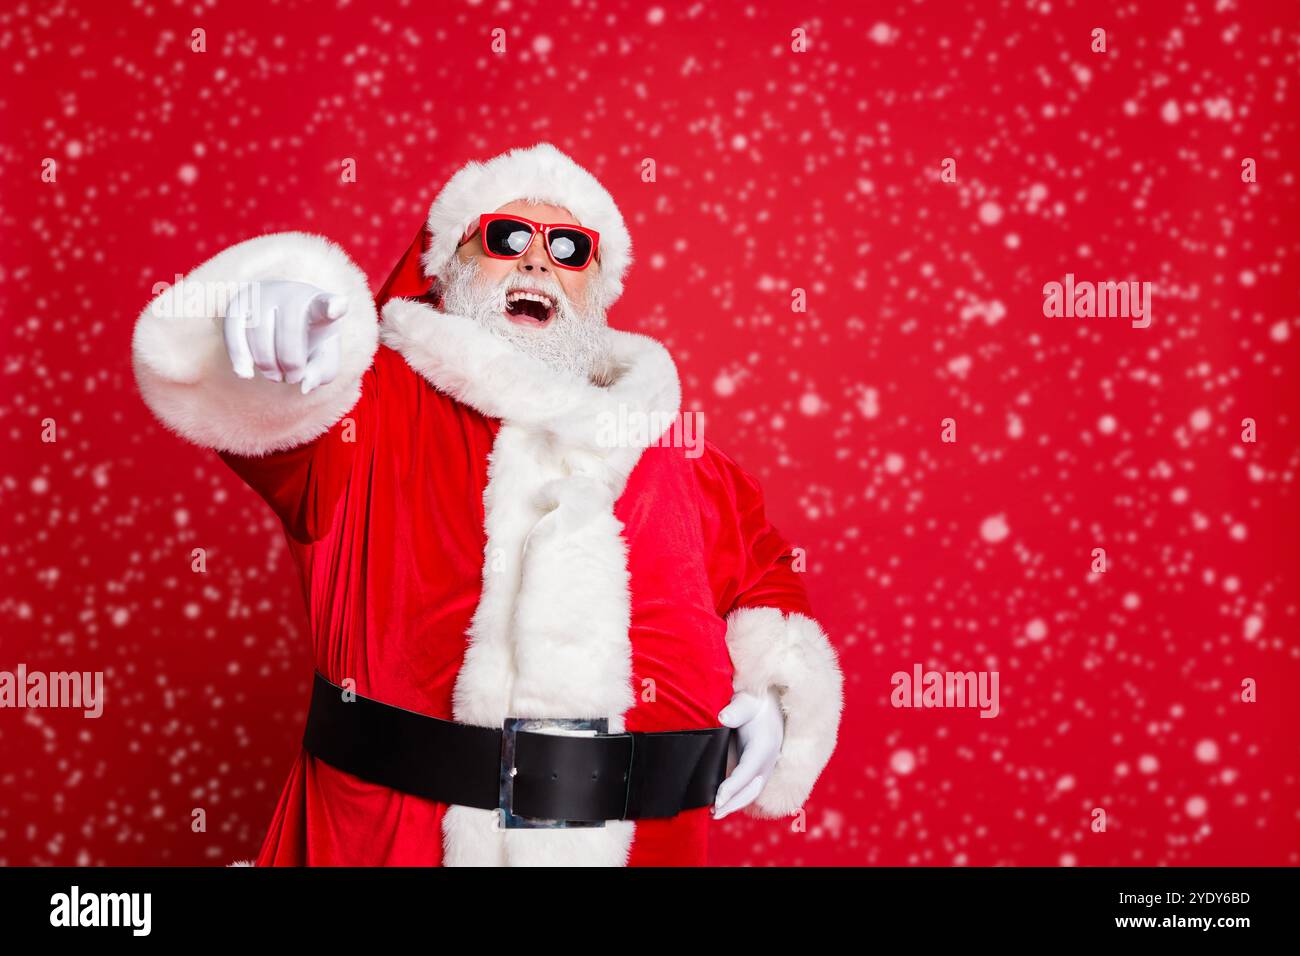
(516, 296)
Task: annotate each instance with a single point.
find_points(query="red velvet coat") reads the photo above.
(387, 532)
(469, 547)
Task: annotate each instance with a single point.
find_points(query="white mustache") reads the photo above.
(573, 342)
(551, 286)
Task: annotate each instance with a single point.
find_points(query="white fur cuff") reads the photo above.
(184, 373)
(791, 653)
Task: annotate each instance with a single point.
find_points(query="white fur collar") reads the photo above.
(466, 361)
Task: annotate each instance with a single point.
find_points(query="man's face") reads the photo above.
(566, 331)
(535, 264)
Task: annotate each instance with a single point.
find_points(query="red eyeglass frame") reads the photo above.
(542, 228)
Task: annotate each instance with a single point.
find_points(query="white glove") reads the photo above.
(294, 337)
(761, 730)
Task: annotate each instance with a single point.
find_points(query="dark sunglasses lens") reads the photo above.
(507, 237)
(570, 247)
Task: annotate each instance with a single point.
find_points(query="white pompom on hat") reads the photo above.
(541, 174)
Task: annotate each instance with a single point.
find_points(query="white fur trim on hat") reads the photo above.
(540, 174)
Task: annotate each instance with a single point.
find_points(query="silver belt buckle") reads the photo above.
(506, 818)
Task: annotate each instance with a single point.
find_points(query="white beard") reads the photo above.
(573, 342)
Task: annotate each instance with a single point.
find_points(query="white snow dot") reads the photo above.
(541, 44)
(188, 173)
(724, 384)
(1196, 806)
(994, 529)
(990, 213)
(810, 403)
(893, 463)
(655, 15)
(882, 33)
(1207, 751)
(1148, 764)
(1106, 424)
(1036, 629)
(1201, 419)
(1169, 112)
(902, 761)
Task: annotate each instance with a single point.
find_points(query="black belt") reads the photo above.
(537, 779)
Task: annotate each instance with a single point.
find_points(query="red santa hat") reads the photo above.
(541, 174)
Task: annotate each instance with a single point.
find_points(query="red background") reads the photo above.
(775, 171)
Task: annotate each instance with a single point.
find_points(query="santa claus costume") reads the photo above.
(472, 549)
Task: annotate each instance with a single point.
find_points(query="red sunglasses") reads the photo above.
(508, 237)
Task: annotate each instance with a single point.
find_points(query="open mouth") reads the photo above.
(529, 307)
